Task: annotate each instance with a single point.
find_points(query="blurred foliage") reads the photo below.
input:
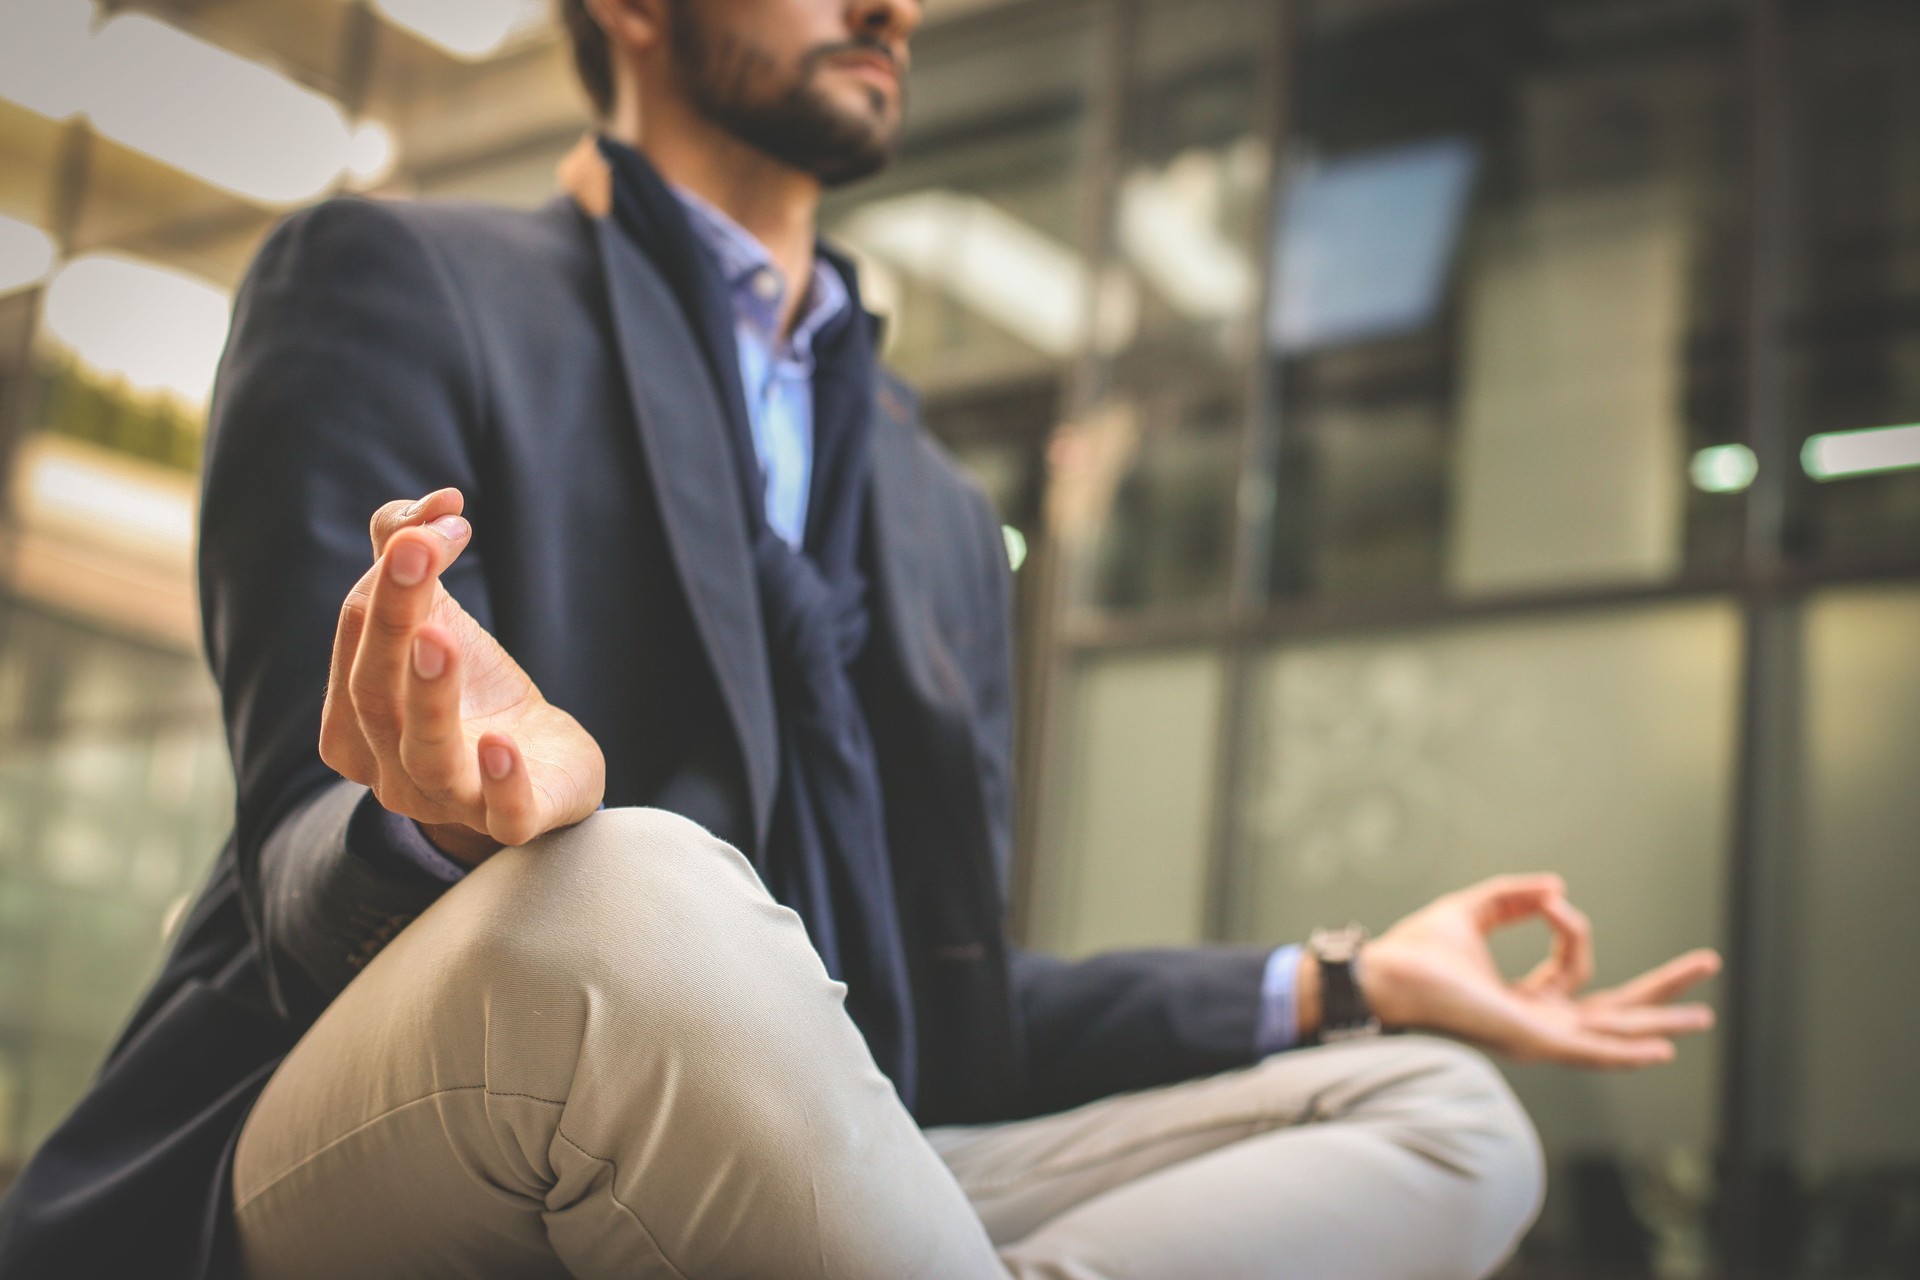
(83, 404)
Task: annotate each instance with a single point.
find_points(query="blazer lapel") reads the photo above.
(903, 553)
(684, 436)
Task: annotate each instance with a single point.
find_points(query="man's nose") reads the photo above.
(891, 21)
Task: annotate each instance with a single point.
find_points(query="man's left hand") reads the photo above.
(1433, 971)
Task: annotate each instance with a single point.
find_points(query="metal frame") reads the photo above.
(1769, 588)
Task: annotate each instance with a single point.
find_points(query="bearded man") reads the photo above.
(618, 877)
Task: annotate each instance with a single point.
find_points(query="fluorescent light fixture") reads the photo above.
(371, 154)
(471, 29)
(214, 114)
(1723, 468)
(161, 330)
(1016, 546)
(44, 54)
(26, 254)
(1021, 279)
(230, 122)
(1169, 227)
(67, 484)
(1861, 453)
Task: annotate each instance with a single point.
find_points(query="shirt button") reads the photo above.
(766, 284)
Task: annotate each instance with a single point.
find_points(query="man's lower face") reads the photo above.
(789, 112)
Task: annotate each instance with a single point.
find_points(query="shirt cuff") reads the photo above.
(1279, 1025)
(396, 845)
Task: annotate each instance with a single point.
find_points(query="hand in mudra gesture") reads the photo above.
(426, 708)
(1433, 970)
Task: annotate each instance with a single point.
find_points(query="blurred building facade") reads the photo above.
(1434, 437)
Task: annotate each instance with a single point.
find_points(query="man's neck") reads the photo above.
(775, 203)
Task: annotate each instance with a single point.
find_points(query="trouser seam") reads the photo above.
(398, 1107)
(368, 1123)
(1264, 1121)
(638, 1222)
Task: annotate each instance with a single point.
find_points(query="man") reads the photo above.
(640, 910)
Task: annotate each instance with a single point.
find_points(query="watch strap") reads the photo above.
(1344, 1012)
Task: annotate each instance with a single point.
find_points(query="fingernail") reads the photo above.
(408, 563)
(452, 528)
(497, 761)
(429, 659)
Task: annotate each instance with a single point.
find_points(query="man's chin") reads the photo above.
(867, 147)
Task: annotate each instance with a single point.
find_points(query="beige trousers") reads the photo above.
(611, 1053)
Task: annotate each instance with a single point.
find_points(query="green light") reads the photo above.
(1723, 468)
(1861, 453)
(1016, 546)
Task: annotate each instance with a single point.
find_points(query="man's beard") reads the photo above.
(799, 126)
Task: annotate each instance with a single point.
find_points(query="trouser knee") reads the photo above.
(636, 918)
(1457, 1109)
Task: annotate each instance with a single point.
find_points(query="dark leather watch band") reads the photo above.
(1344, 1013)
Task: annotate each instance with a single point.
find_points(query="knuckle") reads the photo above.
(429, 771)
(387, 518)
(376, 717)
(390, 624)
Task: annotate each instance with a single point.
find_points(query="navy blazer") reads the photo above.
(538, 361)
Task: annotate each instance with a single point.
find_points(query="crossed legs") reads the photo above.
(610, 1053)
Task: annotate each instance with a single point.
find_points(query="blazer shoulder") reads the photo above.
(900, 406)
(458, 239)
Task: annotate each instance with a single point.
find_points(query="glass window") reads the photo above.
(1384, 771)
(969, 242)
(1127, 852)
(115, 794)
(1501, 327)
(1148, 474)
(1852, 366)
(1847, 1051)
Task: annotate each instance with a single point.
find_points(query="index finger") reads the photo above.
(1570, 965)
(1505, 899)
(1666, 982)
(400, 514)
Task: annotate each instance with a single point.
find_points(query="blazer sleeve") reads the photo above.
(1126, 1020)
(349, 380)
(1123, 1020)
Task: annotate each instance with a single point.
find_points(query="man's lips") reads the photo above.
(870, 66)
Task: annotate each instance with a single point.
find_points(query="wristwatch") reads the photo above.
(1344, 1013)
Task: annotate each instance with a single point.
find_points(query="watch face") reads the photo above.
(1338, 946)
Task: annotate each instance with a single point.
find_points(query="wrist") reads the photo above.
(1307, 998)
(1378, 975)
(461, 843)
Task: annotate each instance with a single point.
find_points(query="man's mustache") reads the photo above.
(858, 44)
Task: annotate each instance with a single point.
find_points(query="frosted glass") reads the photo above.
(1389, 770)
(1859, 1051)
(1129, 865)
(1569, 464)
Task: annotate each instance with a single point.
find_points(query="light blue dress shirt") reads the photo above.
(776, 373)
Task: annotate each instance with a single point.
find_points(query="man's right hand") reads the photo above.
(426, 708)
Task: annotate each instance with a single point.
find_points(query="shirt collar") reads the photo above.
(754, 283)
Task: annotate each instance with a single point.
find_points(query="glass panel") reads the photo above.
(1855, 1126)
(115, 794)
(1148, 477)
(1853, 360)
(1502, 323)
(1127, 861)
(969, 241)
(1386, 771)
